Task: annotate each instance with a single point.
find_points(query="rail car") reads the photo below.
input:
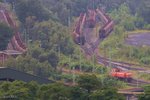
(106, 30)
(91, 19)
(77, 26)
(80, 40)
(105, 19)
(20, 42)
(77, 33)
(120, 74)
(17, 46)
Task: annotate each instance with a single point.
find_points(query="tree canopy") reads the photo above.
(6, 34)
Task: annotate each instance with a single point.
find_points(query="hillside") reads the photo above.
(46, 28)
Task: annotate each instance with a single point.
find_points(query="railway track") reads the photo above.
(116, 64)
(90, 48)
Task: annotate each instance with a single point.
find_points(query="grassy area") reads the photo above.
(114, 47)
(142, 76)
(138, 31)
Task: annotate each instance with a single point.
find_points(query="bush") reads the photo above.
(147, 27)
(5, 35)
(145, 60)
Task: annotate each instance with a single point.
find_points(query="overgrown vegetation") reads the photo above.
(115, 45)
(6, 34)
(88, 88)
(46, 27)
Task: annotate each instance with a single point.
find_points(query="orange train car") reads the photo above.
(120, 74)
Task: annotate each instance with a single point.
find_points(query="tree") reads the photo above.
(6, 34)
(88, 82)
(25, 8)
(53, 59)
(15, 90)
(123, 17)
(54, 92)
(76, 93)
(52, 35)
(106, 94)
(146, 95)
(30, 65)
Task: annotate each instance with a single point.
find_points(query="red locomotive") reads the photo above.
(118, 73)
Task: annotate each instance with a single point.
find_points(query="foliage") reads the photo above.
(25, 8)
(143, 10)
(44, 22)
(147, 27)
(125, 21)
(5, 35)
(53, 92)
(145, 60)
(52, 35)
(19, 90)
(123, 17)
(109, 94)
(88, 82)
(30, 65)
(146, 95)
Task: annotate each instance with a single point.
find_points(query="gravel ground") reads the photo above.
(138, 39)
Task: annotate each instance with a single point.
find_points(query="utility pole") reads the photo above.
(73, 76)
(137, 80)
(3, 59)
(69, 18)
(58, 51)
(13, 6)
(109, 57)
(93, 3)
(93, 62)
(80, 56)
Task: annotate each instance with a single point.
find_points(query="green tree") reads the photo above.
(52, 35)
(122, 16)
(6, 34)
(106, 94)
(76, 93)
(15, 90)
(30, 65)
(53, 59)
(146, 95)
(88, 82)
(54, 92)
(25, 8)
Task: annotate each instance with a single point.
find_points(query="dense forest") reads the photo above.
(46, 27)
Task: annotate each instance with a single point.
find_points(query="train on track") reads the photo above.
(91, 18)
(88, 20)
(77, 33)
(118, 73)
(16, 44)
